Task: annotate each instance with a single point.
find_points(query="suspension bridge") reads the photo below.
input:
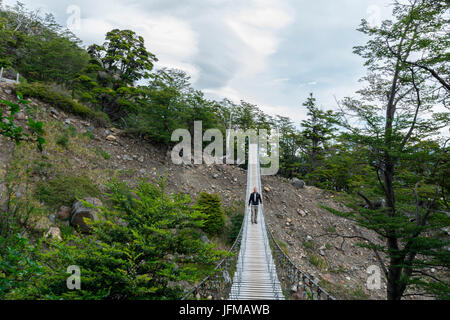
(258, 268)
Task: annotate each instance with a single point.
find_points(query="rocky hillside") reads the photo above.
(75, 147)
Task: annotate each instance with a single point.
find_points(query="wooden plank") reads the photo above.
(255, 277)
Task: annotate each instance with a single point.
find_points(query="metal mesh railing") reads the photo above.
(291, 277)
(218, 285)
(286, 273)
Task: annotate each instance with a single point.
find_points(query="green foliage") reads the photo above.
(66, 103)
(236, 223)
(105, 155)
(38, 47)
(64, 189)
(211, 206)
(108, 80)
(143, 248)
(9, 127)
(318, 262)
(18, 264)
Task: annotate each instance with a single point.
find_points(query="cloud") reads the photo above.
(269, 52)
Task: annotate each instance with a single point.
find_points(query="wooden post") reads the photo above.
(1, 73)
(17, 77)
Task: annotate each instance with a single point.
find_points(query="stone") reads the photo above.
(111, 138)
(42, 224)
(266, 189)
(21, 116)
(63, 213)
(297, 183)
(309, 238)
(215, 176)
(54, 233)
(321, 253)
(127, 158)
(68, 121)
(54, 112)
(289, 220)
(80, 212)
(141, 159)
(294, 288)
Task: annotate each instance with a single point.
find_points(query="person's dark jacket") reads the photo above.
(255, 199)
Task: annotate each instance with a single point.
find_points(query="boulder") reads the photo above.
(63, 213)
(111, 138)
(80, 212)
(299, 184)
(54, 233)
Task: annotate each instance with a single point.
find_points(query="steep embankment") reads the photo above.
(76, 148)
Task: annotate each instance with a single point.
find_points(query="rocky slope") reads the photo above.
(293, 215)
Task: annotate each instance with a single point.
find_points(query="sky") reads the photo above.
(272, 53)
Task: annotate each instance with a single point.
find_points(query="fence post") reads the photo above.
(1, 73)
(17, 77)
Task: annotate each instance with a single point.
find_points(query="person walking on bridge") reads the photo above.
(254, 201)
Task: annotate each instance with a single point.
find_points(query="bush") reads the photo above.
(236, 223)
(65, 189)
(64, 102)
(147, 247)
(211, 206)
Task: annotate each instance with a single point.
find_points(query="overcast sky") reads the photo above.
(268, 52)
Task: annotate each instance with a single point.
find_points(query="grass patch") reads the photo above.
(64, 190)
(342, 292)
(318, 262)
(283, 246)
(100, 152)
(308, 245)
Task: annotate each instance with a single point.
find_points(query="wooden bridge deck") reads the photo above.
(255, 277)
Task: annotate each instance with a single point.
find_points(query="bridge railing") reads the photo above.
(291, 277)
(218, 285)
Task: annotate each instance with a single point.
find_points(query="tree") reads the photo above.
(395, 122)
(38, 47)
(318, 130)
(211, 206)
(145, 247)
(108, 81)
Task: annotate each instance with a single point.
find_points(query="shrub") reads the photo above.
(63, 141)
(64, 102)
(65, 189)
(211, 206)
(236, 223)
(147, 247)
